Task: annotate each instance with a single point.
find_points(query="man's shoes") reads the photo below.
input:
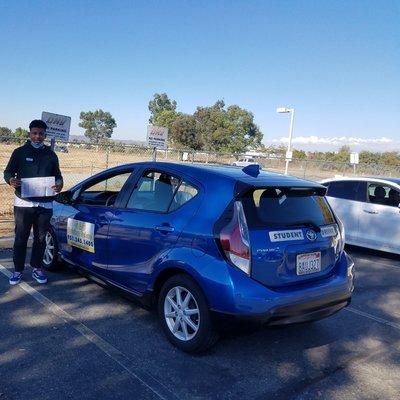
(39, 275)
(15, 278)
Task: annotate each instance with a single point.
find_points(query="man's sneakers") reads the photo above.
(15, 278)
(39, 275)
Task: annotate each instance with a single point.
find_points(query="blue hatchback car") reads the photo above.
(206, 244)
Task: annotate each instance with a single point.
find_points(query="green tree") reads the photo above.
(343, 155)
(166, 118)
(299, 154)
(5, 134)
(21, 133)
(369, 157)
(390, 158)
(244, 134)
(98, 125)
(184, 133)
(228, 130)
(161, 102)
(213, 126)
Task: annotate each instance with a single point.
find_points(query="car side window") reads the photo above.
(184, 193)
(383, 194)
(154, 192)
(103, 192)
(349, 190)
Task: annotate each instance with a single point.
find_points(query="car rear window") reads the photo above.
(278, 207)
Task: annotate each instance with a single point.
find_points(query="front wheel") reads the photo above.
(50, 255)
(184, 315)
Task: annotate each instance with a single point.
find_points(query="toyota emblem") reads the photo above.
(311, 235)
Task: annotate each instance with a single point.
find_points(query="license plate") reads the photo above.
(308, 263)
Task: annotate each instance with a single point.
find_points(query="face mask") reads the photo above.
(37, 145)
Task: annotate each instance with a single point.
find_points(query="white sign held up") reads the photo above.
(57, 126)
(157, 136)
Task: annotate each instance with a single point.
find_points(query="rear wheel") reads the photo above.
(184, 315)
(50, 256)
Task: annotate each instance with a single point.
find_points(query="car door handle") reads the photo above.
(371, 212)
(165, 228)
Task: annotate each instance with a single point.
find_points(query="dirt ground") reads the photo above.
(84, 160)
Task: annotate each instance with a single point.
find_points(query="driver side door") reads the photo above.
(83, 227)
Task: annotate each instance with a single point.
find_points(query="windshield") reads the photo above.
(286, 207)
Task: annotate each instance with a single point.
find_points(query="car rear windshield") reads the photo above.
(285, 207)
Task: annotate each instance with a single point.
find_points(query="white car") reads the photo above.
(369, 210)
(245, 161)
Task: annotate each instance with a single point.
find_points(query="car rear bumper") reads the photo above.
(250, 299)
(289, 314)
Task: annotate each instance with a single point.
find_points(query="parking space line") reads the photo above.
(373, 317)
(116, 355)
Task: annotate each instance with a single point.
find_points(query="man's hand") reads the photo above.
(14, 182)
(57, 188)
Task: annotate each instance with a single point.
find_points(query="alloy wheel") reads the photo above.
(48, 255)
(181, 313)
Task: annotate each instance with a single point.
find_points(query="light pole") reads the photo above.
(284, 110)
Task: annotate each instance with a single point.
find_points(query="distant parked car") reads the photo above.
(206, 244)
(245, 161)
(369, 210)
(61, 148)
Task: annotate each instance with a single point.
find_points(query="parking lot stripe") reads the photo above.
(373, 317)
(116, 355)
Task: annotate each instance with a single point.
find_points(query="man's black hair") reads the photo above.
(38, 123)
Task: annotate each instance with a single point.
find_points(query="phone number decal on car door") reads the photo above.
(80, 234)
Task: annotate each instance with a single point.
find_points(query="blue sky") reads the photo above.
(336, 62)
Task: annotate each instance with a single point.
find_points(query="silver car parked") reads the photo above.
(369, 210)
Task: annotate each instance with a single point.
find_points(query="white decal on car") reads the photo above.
(328, 230)
(281, 236)
(80, 234)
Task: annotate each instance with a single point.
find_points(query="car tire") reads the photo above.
(186, 321)
(50, 257)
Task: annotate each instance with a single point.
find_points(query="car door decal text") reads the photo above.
(80, 234)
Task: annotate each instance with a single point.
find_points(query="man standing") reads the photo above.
(32, 160)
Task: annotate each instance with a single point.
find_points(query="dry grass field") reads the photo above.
(84, 160)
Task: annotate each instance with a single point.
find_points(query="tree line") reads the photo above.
(217, 128)
(340, 156)
(7, 134)
(211, 128)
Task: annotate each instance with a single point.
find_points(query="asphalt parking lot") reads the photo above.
(74, 339)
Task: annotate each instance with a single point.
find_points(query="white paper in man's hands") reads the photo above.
(37, 187)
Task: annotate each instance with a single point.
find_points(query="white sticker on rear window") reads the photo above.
(328, 230)
(282, 236)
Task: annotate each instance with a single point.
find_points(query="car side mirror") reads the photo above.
(65, 197)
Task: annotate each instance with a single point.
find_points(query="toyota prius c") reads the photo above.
(204, 244)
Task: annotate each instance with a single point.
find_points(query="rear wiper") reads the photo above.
(310, 224)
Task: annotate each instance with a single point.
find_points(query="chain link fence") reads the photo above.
(81, 160)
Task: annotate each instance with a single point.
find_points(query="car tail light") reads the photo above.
(342, 234)
(234, 239)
